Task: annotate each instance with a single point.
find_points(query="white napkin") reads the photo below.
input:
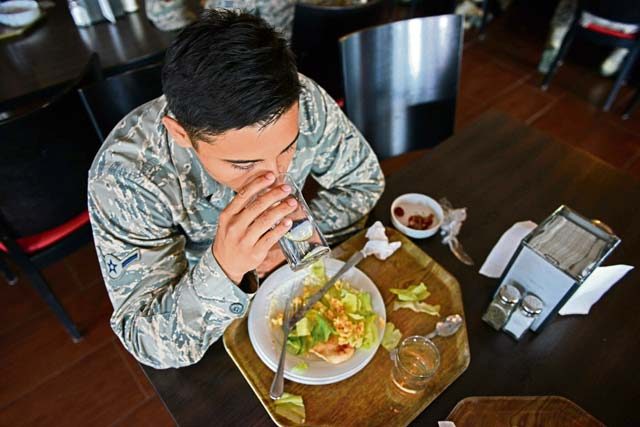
(596, 285)
(378, 242)
(446, 424)
(502, 252)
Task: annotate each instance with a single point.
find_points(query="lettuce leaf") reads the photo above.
(296, 345)
(317, 273)
(419, 307)
(370, 332)
(350, 301)
(391, 337)
(412, 293)
(322, 329)
(302, 327)
(291, 407)
(364, 300)
(301, 367)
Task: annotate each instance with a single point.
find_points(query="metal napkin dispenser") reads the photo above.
(557, 257)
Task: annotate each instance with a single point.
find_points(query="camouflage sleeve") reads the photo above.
(344, 165)
(165, 313)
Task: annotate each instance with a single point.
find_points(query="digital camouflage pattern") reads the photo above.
(154, 212)
(278, 13)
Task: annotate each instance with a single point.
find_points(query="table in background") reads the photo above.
(503, 172)
(55, 51)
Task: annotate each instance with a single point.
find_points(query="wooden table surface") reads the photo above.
(521, 411)
(55, 51)
(503, 172)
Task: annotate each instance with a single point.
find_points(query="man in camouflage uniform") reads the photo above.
(181, 195)
(278, 13)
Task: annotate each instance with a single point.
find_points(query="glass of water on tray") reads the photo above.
(415, 361)
(304, 244)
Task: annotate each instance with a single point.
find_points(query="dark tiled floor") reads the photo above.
(48, 380)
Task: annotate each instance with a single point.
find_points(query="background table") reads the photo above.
(503, 172)
(55, 50)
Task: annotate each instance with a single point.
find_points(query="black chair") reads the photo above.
(622, 11)
(633, 104)
(45, 155)
(108, 101)
(485, 18)
(401, 82)
(316, 31)
(422, 8)
(156, 58)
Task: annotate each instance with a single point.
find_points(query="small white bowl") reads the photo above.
(18, 13)
(416, 204)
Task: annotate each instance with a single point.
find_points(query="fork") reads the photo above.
(277, 386)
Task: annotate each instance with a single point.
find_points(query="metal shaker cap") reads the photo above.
(509, 294)
(532, 305)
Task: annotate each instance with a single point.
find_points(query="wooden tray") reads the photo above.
(521, 411)
(369, 398)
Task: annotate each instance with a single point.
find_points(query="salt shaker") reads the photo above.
(523, 317)
(79, 13)
(129, 6)
(503, 304)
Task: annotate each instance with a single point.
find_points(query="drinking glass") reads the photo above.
(304, 244)
(414, 362)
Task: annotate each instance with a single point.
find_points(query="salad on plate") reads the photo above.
(336, 326)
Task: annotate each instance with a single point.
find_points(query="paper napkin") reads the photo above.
(378, 242)
(596, 285)
(501, 253)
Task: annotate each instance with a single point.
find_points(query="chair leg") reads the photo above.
(413, 10)
(6, 272)
(40, 285)
(483, 22)
(564, 48)
(632, 105)
(622, 77)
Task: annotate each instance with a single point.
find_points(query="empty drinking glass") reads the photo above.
(414, 362)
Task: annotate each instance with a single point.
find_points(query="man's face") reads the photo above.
(236, 157)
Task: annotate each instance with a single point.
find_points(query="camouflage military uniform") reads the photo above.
(278, 13)
(154, 212)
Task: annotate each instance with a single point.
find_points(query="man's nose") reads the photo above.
(276, 167)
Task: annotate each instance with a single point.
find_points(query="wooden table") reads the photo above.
(55, 50)
(503, 172)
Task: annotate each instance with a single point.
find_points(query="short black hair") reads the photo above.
(228, 70)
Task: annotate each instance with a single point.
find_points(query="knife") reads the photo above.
(355, 259)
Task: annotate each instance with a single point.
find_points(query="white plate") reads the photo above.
(270, 299)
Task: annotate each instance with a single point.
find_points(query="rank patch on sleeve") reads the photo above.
(115, 267)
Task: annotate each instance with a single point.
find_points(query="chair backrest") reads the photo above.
(623, 11)
(45, 155)
(108, 101)
(421, 8)
(401, 82)
(316, 31)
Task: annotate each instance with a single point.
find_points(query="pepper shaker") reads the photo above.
(501, 307)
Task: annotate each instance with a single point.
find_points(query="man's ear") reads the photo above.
(177, 132)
